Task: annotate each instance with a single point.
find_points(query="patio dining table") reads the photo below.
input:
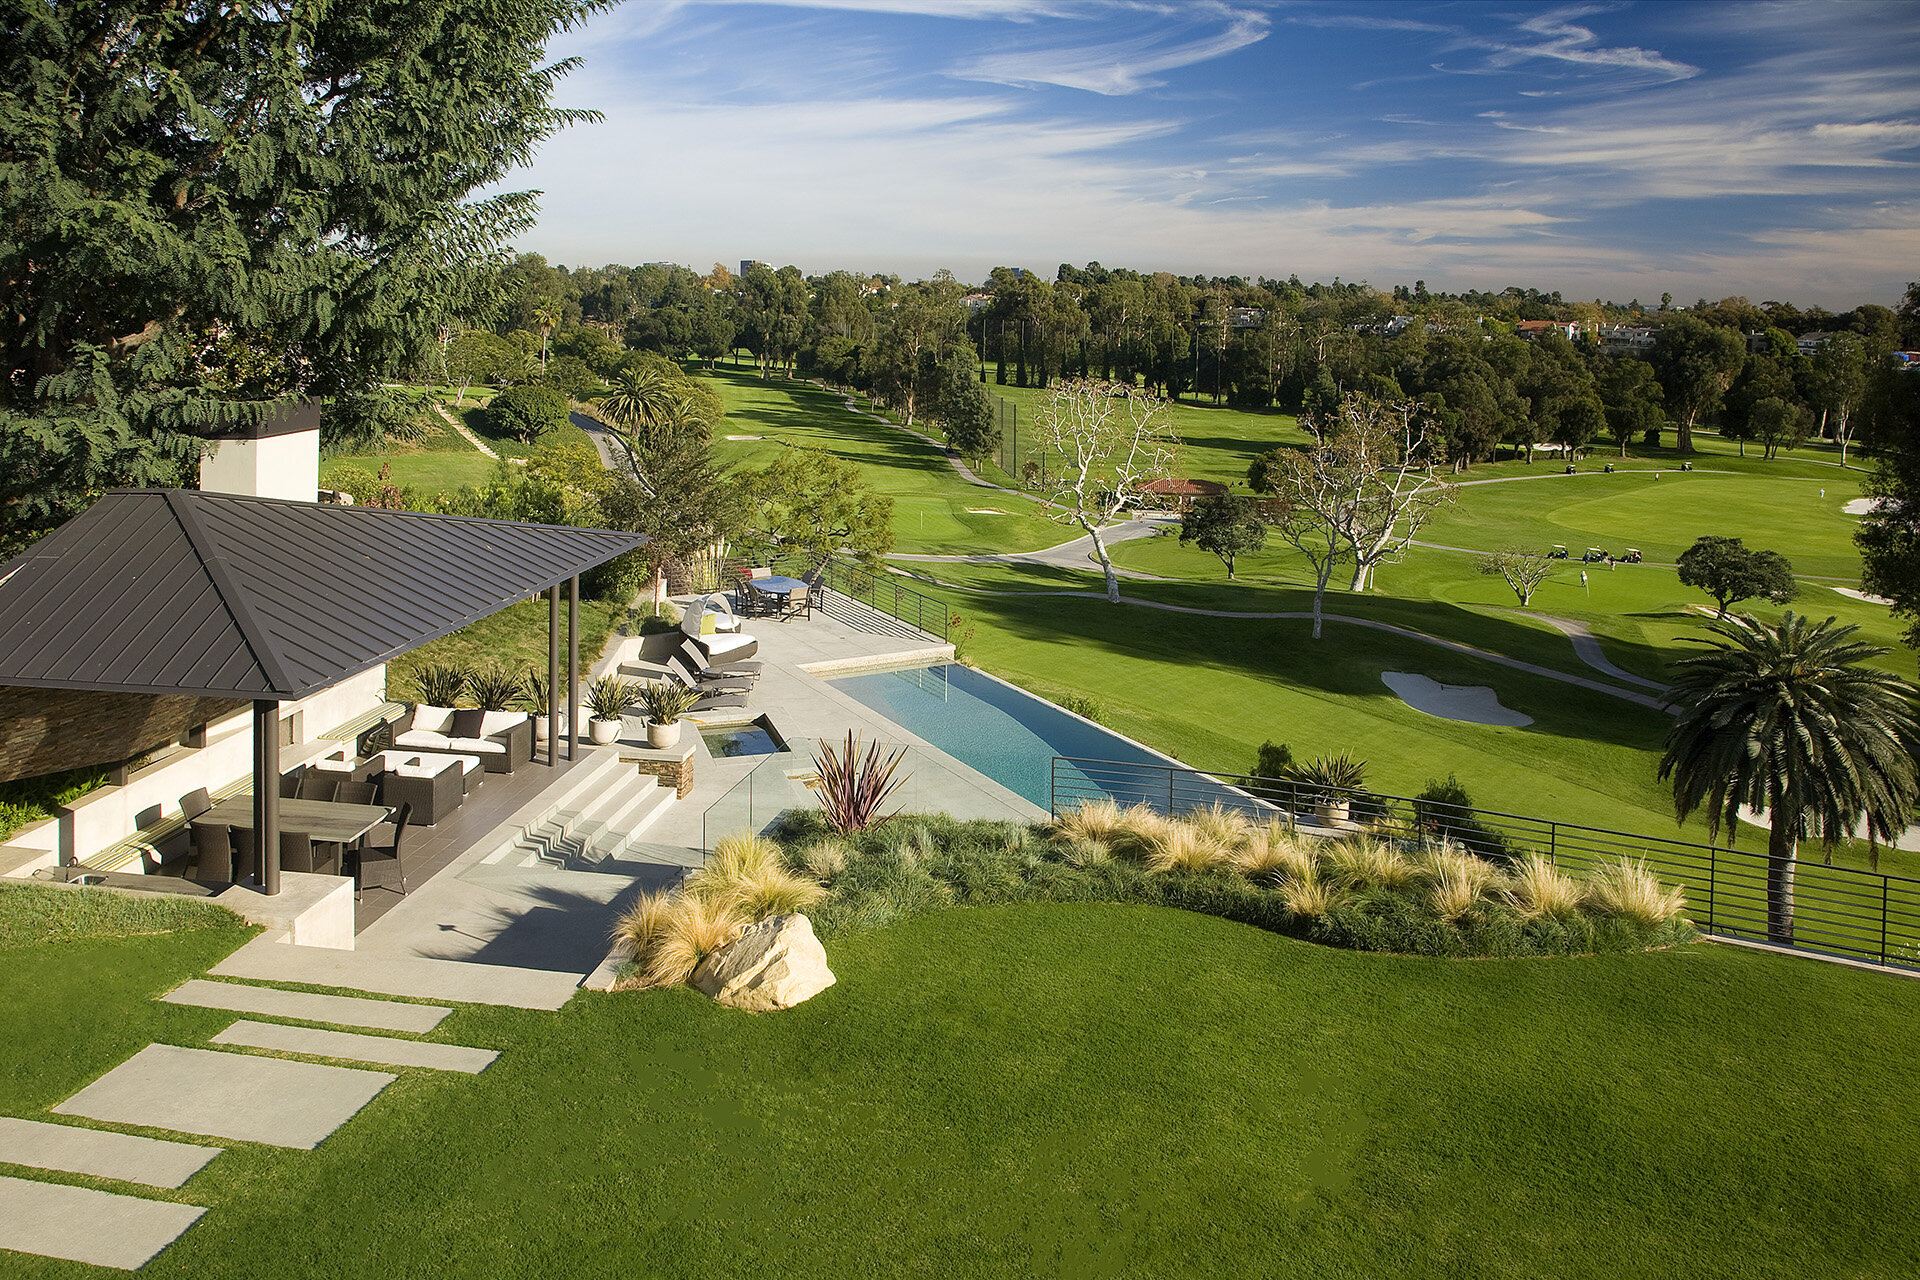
(327, 821)
(779, 588)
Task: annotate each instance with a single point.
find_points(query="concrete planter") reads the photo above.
(602, 731)
(663, 735)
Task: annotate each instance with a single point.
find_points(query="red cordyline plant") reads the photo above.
(853, 787)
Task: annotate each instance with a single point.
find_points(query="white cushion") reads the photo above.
(332, 765)
(496, 721)
(432, 719)
(486, 745)
(430, 768)
(396, 759)
(719, 646)
(426, 738)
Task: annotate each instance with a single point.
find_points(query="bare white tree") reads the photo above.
(1108, 440)
(1392, 485)
(1523, 568)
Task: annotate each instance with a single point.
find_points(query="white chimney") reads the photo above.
(278, 458)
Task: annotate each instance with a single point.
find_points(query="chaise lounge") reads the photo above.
(709, 623)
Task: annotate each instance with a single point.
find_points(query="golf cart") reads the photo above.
(1559, 552)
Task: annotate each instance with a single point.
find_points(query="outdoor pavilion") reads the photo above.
(197, 599)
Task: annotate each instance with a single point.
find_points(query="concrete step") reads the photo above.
(267, 960)
(599, 829)
(579, 789)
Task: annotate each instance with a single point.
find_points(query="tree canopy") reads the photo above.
(813, 502)
(1728, 571)
(211, 208)
(1224, 525)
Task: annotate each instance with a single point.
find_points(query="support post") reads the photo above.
(266, 793)
(573, 664)
(553, 679)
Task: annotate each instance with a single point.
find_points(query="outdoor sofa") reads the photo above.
(502, 739)
(709, 622)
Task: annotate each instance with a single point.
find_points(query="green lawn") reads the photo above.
(514, 638)
(1078, 1091)
(934, 510)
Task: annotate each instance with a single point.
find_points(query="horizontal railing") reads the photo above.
(1844, 911)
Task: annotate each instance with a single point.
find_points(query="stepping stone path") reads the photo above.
(228, 1095)
(346, 1044)
(236, 1095)
(346, 1011)
(101, 1153)
(82, 1225)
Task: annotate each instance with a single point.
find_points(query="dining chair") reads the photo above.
(195, 803)
(380, 865)
(297, 852)
(357, 793)
(245, 865)
(212, 844)
(319, 785)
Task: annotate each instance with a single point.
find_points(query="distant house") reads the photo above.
(1249, 317)
(1391, 327)
(1809, 343)
(1626, 339)
(1906, 361)
(1533, 330)
(1178, 494)
(977, 302)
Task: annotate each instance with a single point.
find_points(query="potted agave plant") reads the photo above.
(608, 698)
(1329, 783)
(535, 699)
(665, 703)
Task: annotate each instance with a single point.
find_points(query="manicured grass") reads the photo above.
(514, 638)
(1216, 442)
(934, 510)
(1086, 1091)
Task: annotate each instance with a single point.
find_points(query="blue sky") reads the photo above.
(1605, 150)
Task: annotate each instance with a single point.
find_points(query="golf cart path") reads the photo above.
(1077, 553)
(1587, 647)
(1294, 615)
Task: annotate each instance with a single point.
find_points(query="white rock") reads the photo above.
(775, 964)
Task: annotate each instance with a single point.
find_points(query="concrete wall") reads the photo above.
(281, 466)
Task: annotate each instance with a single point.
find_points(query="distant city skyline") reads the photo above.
(1605, 150)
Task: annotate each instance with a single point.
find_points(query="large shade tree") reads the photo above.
(208, 208)
(1107, 439)
(1784, 720)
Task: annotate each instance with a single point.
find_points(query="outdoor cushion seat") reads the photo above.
(700, 623)
(715, 670)
(473, 767)
(684, 672)
(720, 648)
(431, 789)
(504, 739)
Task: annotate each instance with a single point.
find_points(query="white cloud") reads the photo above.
(1118, 67)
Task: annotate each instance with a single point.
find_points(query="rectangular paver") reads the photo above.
(269, 961)
(83, 1225)
(72, 1149)
(347, 1011)
(228, 1095)
(346, 1044)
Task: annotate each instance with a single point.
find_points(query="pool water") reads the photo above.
(756, 739)
(1004, 732)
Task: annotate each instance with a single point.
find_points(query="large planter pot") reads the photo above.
(1330, 812)
(602, 731)
(662, 735)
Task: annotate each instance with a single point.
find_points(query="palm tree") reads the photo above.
(1784, 719)
(545, 317)
(640, 401)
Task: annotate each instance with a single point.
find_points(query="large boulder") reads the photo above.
(775, 964)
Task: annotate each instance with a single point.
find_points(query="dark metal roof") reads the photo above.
(175, 591)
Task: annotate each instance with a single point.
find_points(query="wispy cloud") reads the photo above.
(1117, 67)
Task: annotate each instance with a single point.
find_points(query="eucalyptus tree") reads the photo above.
(301, 187)
(1696, 363)
(1785, 720)
(1107, 439)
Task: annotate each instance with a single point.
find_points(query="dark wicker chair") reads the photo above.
(318, 784)
(195, 803)
(298, 852)
(358, 793)
(212, 844)
(245, 865)
(381, 865)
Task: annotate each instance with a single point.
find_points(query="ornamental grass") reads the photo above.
(1362, 862)
(1628, 890)
(1458, 881)
(1099, 820)
(1538, 889)
(1311, 897)
(1272, 854)
(1226, 827)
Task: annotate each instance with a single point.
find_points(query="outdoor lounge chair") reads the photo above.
(693, 678)
(715, 642)
(716, 670)
(502, 739)
(195, 803)
(711, 699)
(382, 865)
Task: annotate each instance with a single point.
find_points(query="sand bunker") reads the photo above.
(743, 437)
(1473, 703)
(1861, 506)
(1851, 594)
(984, 511)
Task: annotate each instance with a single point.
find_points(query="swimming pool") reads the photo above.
(1013, 737)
